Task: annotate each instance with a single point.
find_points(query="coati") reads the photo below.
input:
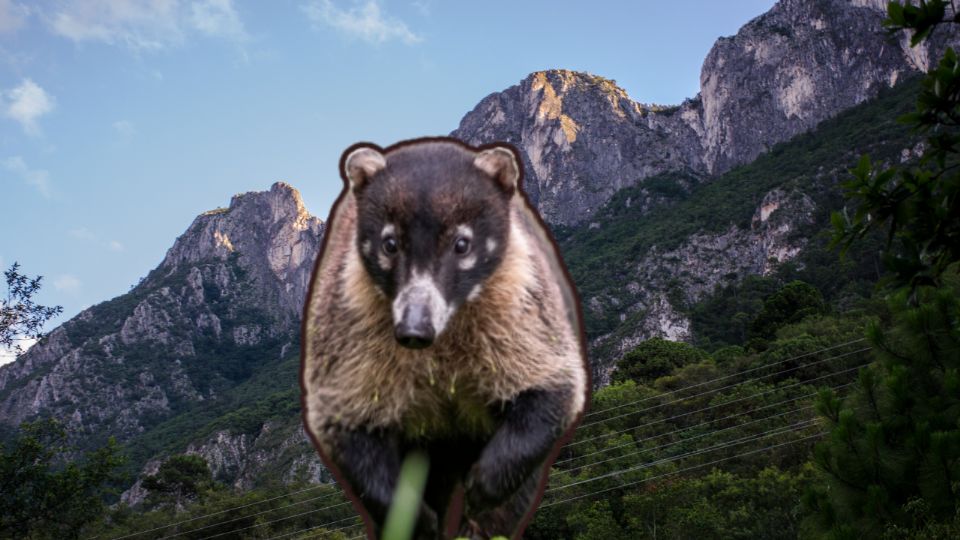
(440, 318)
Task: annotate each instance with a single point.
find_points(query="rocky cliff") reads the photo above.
(583, 138)
(660, 284)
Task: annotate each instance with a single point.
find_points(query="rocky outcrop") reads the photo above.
(665, 279)
(583, 139)
(279, 450)
(277, 237)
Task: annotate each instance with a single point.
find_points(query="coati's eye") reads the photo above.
(389, 245)
(461, 246)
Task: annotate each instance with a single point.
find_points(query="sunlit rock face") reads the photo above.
(581, 138)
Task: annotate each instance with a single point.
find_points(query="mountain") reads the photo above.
(221, 309)
(656, 209)
(583, 138)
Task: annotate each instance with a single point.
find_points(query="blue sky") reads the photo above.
(120, 121)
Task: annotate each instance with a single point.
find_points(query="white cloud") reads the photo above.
(145, 25)
(12, 16)
(67, 283)
(9, 355)
(26, 104)
(423, 6)
(217, 18)
(125, 128)
(85, 234)
(137, 24)
(366, 21)
(37, 178)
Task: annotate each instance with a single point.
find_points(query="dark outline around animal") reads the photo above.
(525, 494)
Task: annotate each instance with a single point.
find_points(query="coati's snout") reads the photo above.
(413, 316)
(415, 330)
(420, 311)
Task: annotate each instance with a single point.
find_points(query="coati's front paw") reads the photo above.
(483, 491)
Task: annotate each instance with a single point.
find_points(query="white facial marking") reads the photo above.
(467, 262)
(474, 292)
(491, 245)
(465, 231)
(422, 289)
(388, 229)
(366, 247)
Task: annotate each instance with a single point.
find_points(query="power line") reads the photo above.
(266, 523)
(345, 527)
(578, 442)
(749, 438)
(591, 413)
(679, 430)
(260, 513)
(315, 527)
(682, 441)
(714, 462)
(777, 389)
(230, 510)
(781, 372)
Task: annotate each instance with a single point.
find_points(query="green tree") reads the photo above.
(43, 497)
(792, 303)
(180, 479)
(20, 316)
(656, 358)
(894, 443)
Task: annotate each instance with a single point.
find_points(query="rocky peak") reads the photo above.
(226, 300)
(581, 138)
(267, 231)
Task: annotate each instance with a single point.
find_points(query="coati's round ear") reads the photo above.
(501, 163)
(360, 162)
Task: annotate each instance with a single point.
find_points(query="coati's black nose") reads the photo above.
(415, 329)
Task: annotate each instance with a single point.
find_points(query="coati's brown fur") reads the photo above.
(522, 331)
